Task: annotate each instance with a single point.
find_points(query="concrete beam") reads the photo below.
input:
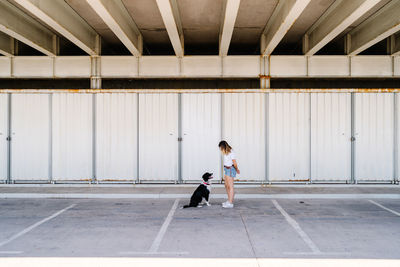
(340, 15)
(20, 26)
(7, 45)
(200, 67)
(284, 16)
(117, 18)
(228, 24)
(62, 18)
(395, 44)
(376, 28)
(171, 20)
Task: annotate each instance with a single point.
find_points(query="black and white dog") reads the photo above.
(202, 191)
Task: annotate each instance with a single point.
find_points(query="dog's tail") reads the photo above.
(186, 206)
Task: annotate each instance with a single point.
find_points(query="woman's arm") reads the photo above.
(235, 166)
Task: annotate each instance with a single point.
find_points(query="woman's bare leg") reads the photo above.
(229, 188)
(226, 185)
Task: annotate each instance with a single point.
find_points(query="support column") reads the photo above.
(95, 77)
(265, 78)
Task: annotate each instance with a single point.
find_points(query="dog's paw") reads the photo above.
(200, 206)
(208, 204)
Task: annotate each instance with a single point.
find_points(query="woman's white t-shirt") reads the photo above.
(228, 159)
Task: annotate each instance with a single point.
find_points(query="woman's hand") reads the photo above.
(238, 171)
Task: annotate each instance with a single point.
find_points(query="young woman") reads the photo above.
(230, 170)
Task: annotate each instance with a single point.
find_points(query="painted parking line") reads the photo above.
(10, 252)
(175, 196)
(318, 254)
(33, 226)
(298, 229)
(195, 262)
(157, 241)
(248, 235)
(154, 253)
(383, 207)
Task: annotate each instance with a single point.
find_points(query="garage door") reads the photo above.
(30, 133)
(201, 132)
(374, 125)
(158, 137)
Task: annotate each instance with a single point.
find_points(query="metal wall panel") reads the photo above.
(396, 155)
(158, 137)
(289, 136)
(72, 136)
(201, 128)
(244, 129)
(374, 136)
(3, 135)
(116, 136)
(331, 136)
(30, 133)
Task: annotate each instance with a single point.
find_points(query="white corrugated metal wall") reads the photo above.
(331, 136)
(72, 128)
(116, 136)
(289, 137)
(396, 144)
(3, 136)
(295, 136)
(374, 129)
(30, 133)
(201, 132)
(244, 129)
(158, 137)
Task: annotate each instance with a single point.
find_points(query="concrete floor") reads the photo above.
(147, 228)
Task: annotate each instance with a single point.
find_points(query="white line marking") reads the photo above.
(175, 196)
(153, 253)
(156, 244)
(297, 227)
(320, 254)
(11, 252)
(33, 226)
(383, 207)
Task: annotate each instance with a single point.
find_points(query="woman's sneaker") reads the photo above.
(227, 205)
(224, 203)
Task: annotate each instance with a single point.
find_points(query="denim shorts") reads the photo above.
(230, 172)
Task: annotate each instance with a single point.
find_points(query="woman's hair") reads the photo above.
(225, 147)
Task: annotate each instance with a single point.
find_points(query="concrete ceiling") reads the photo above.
(201, 23)
(201, 20)
(252, 17)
